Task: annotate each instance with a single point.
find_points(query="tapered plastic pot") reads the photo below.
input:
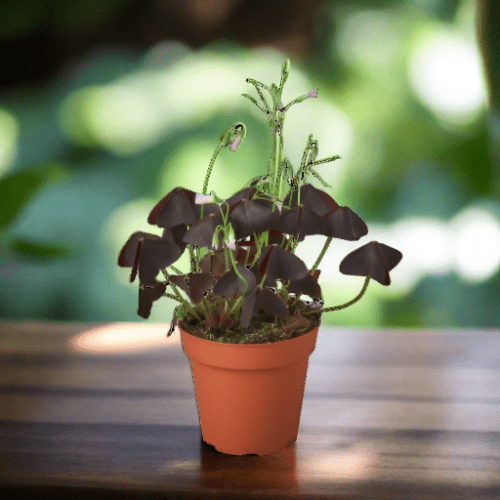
(249, 396)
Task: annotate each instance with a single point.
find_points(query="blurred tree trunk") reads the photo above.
(41, 36)
(488, 26)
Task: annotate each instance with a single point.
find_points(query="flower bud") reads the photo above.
(233, 136)
(285, 71)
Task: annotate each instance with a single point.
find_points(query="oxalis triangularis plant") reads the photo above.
(245, 284)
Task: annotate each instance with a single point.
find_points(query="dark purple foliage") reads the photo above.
(148, 295)
(128, 252)
(345, 224)
(201, 233)
(315, 199)
(248, 217)
(279, 264)
(373, 259)
(154, 256)
(251, 213)
(262, 299)
(231, 284)
(194, 284)
(301, 221)
(306, 286)
(176, 208)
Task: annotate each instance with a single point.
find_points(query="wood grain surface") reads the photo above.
(109, 410)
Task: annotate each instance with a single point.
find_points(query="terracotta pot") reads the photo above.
(249, 395)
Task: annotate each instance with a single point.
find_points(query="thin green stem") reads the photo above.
(241, 297)
(254, 101)
(247, 255)
(257, 86)
(322, 254)
(209, 171)
(177, 270)
(180, 298)
(173, 297)
(194, 260)
(325, 160)
(210, 167)
(351, 302)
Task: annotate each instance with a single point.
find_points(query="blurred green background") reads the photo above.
(106, 106)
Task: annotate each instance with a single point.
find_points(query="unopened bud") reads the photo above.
(233, 146)
(313, 93)
(233, 136)
(285, 71)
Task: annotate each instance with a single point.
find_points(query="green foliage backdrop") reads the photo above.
(97, 147)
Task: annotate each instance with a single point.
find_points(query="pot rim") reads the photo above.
(251, 356)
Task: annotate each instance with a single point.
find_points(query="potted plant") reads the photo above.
(243, 321)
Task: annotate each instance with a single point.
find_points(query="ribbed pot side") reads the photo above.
(249, 396)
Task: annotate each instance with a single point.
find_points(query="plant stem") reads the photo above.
(194, 260)
(240, 298)
(177, 270)
(351, 302)
(322, 254)
(210, 167)
(173, 297)
(325, 160)
(247, 255)
(180, 298)
(209, 171)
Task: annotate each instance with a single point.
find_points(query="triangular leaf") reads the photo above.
(270, 302)
(315, 199)
(214, 263)
(301, 221)
(194, 284)
(201, 233)
(373, 259)
(128, 252)
(231, 284)
(175, 234)
(262, 299)
(283, 265)
(245, 194)
(345, 224)
(248, 217)
(177, 207)
(148, 295)
(154, 256)
(307, 286)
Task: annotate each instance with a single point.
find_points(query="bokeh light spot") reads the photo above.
(9, 134)
(123, 338)
(369, 39)
(445, 73)
(477, 244)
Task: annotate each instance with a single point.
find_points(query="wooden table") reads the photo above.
(109, 410)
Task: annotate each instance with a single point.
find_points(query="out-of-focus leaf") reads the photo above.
(40, 251)
(17, 189)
